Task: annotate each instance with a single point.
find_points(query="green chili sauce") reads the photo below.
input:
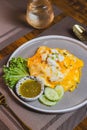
(30, 88)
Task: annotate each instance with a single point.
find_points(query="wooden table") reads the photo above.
(77, 9)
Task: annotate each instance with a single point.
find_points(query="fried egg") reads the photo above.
(56, 66)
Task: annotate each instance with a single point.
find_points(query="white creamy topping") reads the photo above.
(53, 69)
(54, 51)
(57, 76)
(52, 56)
(51, 62)
(56, 55)
(60, 57)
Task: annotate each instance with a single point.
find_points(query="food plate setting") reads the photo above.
(60, 74)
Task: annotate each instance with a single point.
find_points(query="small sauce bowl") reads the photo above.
(29, 88)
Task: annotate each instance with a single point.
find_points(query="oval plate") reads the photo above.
(71, 100)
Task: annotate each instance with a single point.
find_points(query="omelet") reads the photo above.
(56, 66)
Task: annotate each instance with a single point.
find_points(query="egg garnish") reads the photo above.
(56, 66)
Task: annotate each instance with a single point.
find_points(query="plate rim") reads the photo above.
(48, 36)
(31, 42)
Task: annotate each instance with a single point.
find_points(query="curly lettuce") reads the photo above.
(16, 70)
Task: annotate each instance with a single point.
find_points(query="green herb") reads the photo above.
(16, 70)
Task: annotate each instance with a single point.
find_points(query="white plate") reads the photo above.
(71, 100)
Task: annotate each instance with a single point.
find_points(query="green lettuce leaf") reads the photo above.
(16, 70)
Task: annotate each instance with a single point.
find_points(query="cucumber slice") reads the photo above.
(46, 101)
(60, 91)
(51, 94)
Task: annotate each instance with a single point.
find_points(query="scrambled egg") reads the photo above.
(56, 66)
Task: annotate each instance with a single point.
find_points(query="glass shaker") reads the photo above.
(39, 13)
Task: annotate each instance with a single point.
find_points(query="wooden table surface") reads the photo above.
(77, 9)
